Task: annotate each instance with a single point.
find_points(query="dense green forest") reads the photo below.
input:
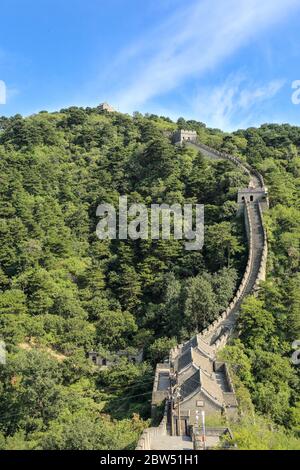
(63, 292)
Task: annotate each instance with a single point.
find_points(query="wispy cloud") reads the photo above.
(195, 39)
(236, 103)
(249, 97)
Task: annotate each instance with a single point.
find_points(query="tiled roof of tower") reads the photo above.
(212, 388)
(202, 362)
(192, 343)
(184, 360)
(190, 385)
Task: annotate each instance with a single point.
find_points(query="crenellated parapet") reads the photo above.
(253, 201)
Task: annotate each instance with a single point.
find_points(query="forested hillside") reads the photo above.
(63, 292)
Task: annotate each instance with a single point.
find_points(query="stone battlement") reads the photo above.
(196, 381)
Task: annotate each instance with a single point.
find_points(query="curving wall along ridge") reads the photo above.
(217, 334)
(240, 293)
(216, 154)
(223, 155)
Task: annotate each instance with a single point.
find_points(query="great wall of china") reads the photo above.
(192, 380)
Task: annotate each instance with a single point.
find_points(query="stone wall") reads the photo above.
(239, 293)
(158, 396)
(243, 165)
(181, 136)
(144, 442)
(220, 342)
(263, 264)
(227, 323)
(210, 405)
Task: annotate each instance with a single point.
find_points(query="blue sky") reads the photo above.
(228, 63)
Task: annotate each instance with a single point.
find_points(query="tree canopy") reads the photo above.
(63, 292)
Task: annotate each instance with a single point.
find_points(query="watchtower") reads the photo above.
(106, 107)
(184, 136)
(253, 195)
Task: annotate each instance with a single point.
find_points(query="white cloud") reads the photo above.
(249, 97)
(234, 104)
(196, 38)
